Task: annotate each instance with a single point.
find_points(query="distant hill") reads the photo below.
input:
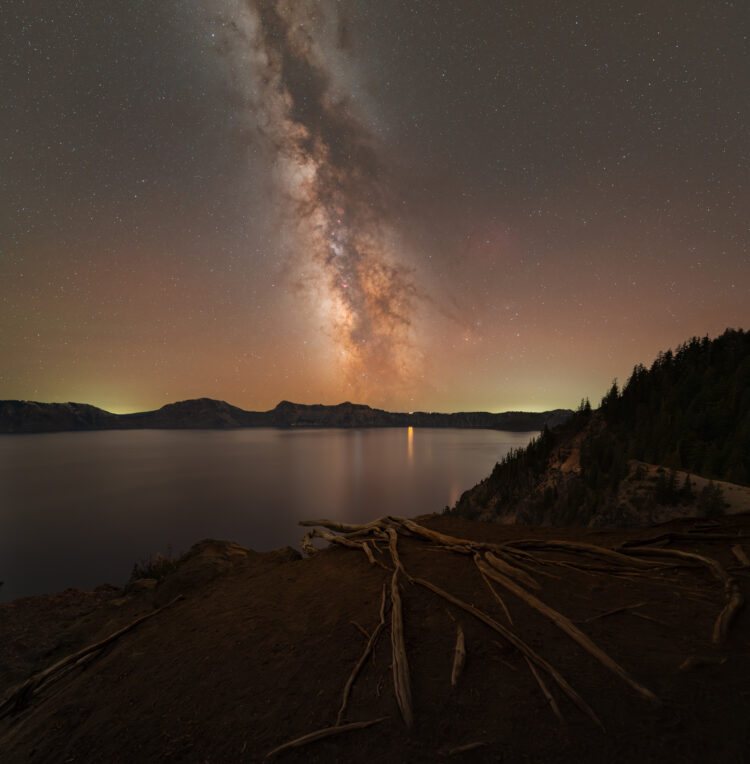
(631, 460)
(204, 413)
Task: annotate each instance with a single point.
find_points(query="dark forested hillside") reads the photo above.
(690, 411)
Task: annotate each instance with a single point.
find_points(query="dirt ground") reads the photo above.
(258, 652)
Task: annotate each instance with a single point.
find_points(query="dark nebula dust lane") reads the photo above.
(329, 184)
(440, 205)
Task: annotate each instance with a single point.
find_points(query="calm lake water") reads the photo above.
(78, 509)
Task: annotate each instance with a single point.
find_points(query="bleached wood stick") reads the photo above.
(459, 656)
(324, 733)
(510, 570)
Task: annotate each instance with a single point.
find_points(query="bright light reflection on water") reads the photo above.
(78, 509)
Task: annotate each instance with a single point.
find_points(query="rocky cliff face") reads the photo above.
(29, 416)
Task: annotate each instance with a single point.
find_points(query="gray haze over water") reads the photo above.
(78, 509)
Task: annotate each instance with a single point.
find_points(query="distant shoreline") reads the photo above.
(30, 417)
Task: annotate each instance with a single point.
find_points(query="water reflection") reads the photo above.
(78, 509)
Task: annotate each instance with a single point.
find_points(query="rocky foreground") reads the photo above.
(255, 650)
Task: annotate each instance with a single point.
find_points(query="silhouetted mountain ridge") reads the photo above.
(208, 413)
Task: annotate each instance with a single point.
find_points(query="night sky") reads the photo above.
(433, 205)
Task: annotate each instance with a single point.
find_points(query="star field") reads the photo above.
(424, 205)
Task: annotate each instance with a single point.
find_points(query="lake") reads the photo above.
(79, 508)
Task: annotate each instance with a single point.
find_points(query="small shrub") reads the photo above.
(159, 566)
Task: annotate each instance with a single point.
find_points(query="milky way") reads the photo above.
(433, 205)
(329, 184)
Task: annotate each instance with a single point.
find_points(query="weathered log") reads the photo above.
(22, 695)
(519, 644)
(459, 656)
(568, 627)
(311, 737)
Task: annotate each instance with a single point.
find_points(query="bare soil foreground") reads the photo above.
(629, 661)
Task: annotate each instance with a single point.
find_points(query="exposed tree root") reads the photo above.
(516, 565)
